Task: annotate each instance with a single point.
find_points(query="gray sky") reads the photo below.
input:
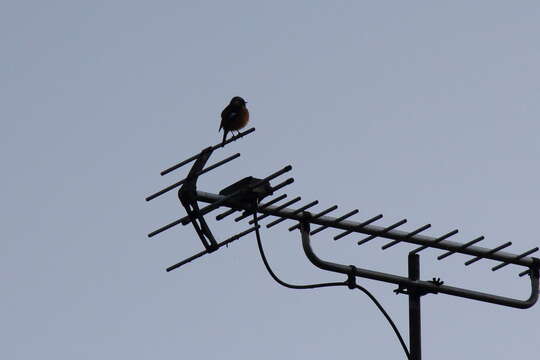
(423, 110)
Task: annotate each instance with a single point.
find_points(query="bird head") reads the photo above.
(237, 100)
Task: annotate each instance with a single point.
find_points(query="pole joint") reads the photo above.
(351, 278)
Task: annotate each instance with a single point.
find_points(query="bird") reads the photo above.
(234, 117)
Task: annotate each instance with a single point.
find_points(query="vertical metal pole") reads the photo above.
(414, 309)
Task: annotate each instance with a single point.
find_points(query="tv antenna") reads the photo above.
(246, 195)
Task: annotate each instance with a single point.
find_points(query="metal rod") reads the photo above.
(262, 206)
(492, 251)
(225, 214)
(412, 233)
(523, 273)
(466, 245)
(383, 231)
(415, 324)
(305, 207)
(528, 252)
(421, 240)
(426, 286)
(177, 184)
(324, 212)
(336, 221)
(189, 259)
(283, 184)
(437, 240)
(367, 222)
(194, 157)
(204, 252)
(282, 206)
(163, 228)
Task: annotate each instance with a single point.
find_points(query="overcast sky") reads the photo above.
(420, 110)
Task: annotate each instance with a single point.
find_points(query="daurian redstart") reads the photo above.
(234, 117)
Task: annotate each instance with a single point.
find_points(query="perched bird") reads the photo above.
(234, 117)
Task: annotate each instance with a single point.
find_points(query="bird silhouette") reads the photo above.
(234, 117)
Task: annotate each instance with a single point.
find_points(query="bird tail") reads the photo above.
(224, 137)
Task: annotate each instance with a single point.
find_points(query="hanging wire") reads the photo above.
(328, 284)
(275, 277)
(390, 321)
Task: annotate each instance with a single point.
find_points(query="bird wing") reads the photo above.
(227, 115)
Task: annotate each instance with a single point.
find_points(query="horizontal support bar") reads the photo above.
(418, 285)
(423, 240)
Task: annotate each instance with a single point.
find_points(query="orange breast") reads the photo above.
(240, 121)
